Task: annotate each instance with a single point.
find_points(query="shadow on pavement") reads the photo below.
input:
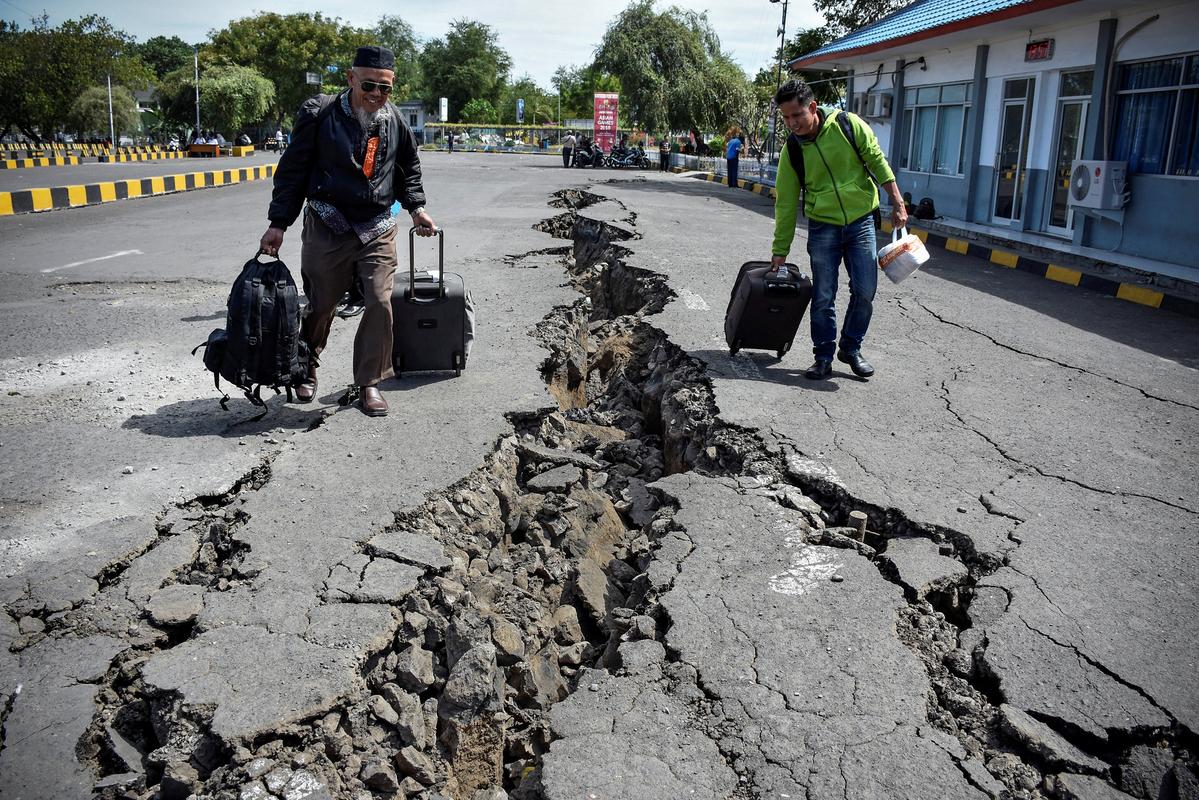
(768, 368)
(205, 417)
(1160, 333)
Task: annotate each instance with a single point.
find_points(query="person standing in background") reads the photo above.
(568, 148)
(732, 154)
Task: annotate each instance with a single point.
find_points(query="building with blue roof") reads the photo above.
(988, 107)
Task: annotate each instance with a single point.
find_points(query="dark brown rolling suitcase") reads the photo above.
(766, 307)
(433, 317)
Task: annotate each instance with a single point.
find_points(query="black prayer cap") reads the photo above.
(375, 58)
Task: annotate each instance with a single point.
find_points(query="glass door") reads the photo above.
(1074, 104)
(1015, 119)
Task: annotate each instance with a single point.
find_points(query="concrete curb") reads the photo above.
(1123, 290)
(51, 161)
(27, 200)
(121, 157)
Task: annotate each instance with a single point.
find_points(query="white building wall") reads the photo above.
(1174, 32)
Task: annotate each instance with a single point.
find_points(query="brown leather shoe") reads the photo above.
(306, 391)
(372, 402)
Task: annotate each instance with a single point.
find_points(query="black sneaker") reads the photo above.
(819, 370)
(350, 310)
(860, 366)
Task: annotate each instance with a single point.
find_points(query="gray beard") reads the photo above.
(367, 119)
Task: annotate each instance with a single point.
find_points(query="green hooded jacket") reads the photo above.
(839, 190)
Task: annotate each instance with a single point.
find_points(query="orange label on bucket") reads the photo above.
(894, 253)
(368, 163)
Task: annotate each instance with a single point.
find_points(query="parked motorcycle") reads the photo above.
(588, 154)
(629, 157)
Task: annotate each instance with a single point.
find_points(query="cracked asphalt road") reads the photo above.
(1046, 431)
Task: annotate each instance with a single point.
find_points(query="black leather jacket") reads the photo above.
(324, 162)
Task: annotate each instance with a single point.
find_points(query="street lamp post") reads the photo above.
(778, 81)
(196, 57)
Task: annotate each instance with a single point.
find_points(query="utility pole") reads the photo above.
(112, 132)
(778, 81)
(196, 56)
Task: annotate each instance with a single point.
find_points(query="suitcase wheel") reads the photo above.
(457, 373)
(782, 352)
(734, 347)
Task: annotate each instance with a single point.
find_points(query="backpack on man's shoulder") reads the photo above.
(260, 344)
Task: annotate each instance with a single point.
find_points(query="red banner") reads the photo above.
(605, 119)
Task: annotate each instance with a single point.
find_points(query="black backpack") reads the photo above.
(926, 209)
(261, 343)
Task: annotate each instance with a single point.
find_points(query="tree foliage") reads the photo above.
(164, 54)
(577, 87)
(43, 69)
(231, 98)
(843, 16)
(672, 73)
(89, 112)
(539, 104)
(479, 111)
(282, 48)
(468, 63)
(394, 33)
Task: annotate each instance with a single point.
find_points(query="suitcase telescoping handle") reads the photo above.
(412, 266)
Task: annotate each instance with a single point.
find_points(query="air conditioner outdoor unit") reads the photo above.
(1098, 184)
(877, 105)
(858, 104)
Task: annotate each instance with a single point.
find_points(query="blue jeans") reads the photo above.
(828, 246)
(732, 172)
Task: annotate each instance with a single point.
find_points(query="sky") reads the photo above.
(539, 35)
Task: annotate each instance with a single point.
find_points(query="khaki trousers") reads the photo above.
(327, 264)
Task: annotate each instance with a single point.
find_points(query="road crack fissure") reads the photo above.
(1064, 365)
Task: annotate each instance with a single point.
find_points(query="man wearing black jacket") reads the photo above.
(351, 156)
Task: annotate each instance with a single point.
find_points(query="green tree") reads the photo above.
(537, 101)
(43, 69)
(843, 16)
(394, 33)
(809, 40)
(89, 112)
(231, 98)
(282, 48)
(466, 64)
(164, 54)
(480, 111)
(577, 87)
(672, 73)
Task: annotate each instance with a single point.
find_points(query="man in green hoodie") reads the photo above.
(839, 198)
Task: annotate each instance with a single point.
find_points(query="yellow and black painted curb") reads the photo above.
(1123, 290)
(27, 200)
(52, 161)
(122, 157)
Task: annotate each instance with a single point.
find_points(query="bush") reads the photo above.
(717, 146)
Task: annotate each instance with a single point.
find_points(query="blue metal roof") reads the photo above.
(910, 21)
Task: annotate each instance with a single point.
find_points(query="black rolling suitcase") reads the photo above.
(766, 307)
(433, 317)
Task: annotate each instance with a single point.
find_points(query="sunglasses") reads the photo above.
(371, 86)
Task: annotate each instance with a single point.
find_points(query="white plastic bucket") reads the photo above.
(902, 256)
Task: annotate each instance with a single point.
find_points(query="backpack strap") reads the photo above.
(795, 156)
(846, 125)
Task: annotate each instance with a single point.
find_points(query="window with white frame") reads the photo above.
(1156, 125)
(934, 120)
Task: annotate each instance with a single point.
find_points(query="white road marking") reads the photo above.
(117, 254)
(693, 301)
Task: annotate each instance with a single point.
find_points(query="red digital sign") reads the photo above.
(1041, 50)
(606, 104)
